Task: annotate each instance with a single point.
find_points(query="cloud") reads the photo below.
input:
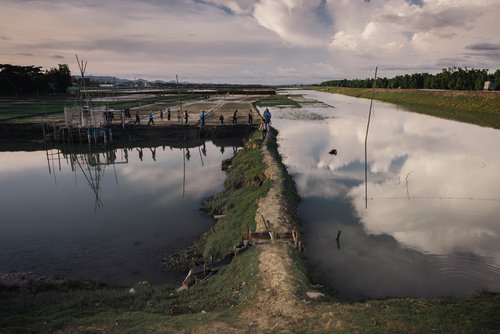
(25, 54)
(298, 22)
(57, 57)
(483, 46)
(242, 7)
(252, 40)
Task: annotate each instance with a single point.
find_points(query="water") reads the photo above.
(104, 220)
(432, 224)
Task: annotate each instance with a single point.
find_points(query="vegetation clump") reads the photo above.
(245, 184)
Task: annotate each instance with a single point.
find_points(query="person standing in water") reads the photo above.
(186, 116)
(168, 114)
(221, 118)
(250, 117)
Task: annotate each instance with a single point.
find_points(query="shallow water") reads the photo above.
(108, 216)
(431, 226)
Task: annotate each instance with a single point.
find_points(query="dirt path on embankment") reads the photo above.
(277, 303)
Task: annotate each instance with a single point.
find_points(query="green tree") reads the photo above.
(59, 79)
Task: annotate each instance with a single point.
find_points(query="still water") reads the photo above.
(432, 222)
(108, 215)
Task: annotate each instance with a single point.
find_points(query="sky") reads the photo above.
(251, 41)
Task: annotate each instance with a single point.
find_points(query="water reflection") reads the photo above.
(50, 223)
(92, 162)
(431, 227)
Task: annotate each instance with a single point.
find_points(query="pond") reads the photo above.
(430, 226)
(109, 215)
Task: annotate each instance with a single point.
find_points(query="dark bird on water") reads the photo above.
(333, 152)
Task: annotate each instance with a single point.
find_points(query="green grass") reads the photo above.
(245, 184)
(476, 314)
(11, 108)
(481, 108)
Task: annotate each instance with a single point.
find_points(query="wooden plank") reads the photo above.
(267, 236)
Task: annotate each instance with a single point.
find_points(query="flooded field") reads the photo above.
(430, 226)
(110, 215)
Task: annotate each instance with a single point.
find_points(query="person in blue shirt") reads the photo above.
(202, 118)
(267, 118)
(151, 118)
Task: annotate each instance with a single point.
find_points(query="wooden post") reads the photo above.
(366, 140)
(273, 237)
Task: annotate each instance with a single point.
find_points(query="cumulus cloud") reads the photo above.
(298, 22)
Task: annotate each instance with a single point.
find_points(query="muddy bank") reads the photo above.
(30, 136)
(33, 282)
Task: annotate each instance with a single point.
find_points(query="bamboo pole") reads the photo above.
(366, 139)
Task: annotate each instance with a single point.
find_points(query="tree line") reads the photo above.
(28, 80)
(450, 78)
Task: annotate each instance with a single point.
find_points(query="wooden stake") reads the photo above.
(366, 140)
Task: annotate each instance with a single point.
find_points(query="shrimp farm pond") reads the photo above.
(106, 214)
(426, 225)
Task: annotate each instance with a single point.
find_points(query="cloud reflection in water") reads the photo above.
(433, 190)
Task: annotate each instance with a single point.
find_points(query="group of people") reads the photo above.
(266, 118)
(151, 116)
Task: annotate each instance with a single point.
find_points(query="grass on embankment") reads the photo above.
(245, 183)
(475, 107)
(475, 314)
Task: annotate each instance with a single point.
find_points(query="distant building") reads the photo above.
(490, 85)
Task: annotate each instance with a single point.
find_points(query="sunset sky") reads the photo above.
(251, 41)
